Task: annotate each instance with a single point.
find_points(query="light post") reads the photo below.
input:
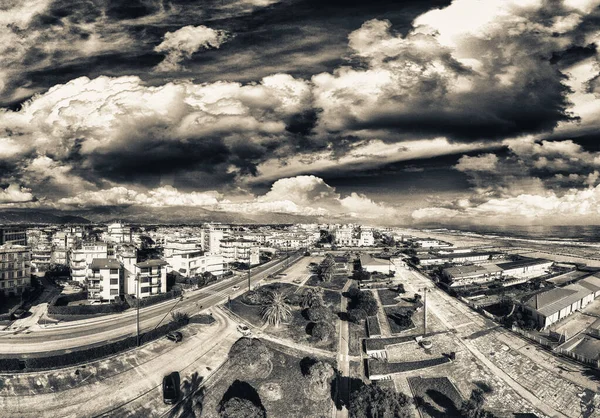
(137, 303)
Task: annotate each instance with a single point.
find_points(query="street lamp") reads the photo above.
(137, 303)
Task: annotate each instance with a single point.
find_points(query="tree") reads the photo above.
(356, 315)
(417, 298)
(318, 313)
(366, 301)
(361, 275)
(376, 402)
(277, 310)
(241, 408)
(312, 297)
(181, 317)
(322, 331)
(320, 375)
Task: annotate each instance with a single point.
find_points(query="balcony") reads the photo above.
(95, 287)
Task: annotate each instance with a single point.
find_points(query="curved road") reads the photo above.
(85, 333)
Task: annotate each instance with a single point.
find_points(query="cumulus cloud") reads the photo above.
(181, 44)
(573, 207)
(14, 193)
(485, 162)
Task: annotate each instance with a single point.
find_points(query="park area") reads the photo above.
(308, 314)
(271, 378)
(436, 397)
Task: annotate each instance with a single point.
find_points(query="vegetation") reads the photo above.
(312, 297)
(320, 375)
(180, 317)
(277, 310)
(318, 313)
(322, 331)
(356, 315)
(372, 401)
(363, 300)
(241, 408)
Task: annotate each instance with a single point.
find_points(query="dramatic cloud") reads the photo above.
(15, 194)
(182, 43)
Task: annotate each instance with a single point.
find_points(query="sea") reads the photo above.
(567, 234)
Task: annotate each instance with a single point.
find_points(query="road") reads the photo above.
(343, 360)
(79, 334)
(125, 385)
(551, 384)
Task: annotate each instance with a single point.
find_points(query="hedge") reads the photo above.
(152, 300)
(58, 306)
(87, 355)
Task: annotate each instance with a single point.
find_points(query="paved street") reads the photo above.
(519, 363)
(343, 359)
(134, 391)
(68, 335)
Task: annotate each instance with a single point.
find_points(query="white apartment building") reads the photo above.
(118, 233)
(212, 236)
(15, 269)
(344, 236)
(174, 247)
(80, 259)
(365, 238)
(194, 262)
(239, 250)
(152, 275)
(105, 279)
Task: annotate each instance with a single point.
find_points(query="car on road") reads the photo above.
(171, 388)
(297, 281)
(175, 336)
(244, 330)
(19, 313)
(236, 287)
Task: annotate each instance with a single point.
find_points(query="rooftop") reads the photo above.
(366, 259)
(151, 263)
(526, 262)
(552, 301)
(105, 263)
(464, 271)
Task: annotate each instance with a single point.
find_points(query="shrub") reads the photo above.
(241, 408)
(180, 317)
(154, 299)
(322, 331)
(58, 306)
(249, 351)
(366, 301)
(374, 401)
(293, 299)
(318, 313)
(320, 375)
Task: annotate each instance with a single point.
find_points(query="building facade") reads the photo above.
(15, 269)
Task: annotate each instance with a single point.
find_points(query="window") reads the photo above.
(145, 279)
(11, 284)
(95, 271)
(114, 281)
(114, 292)
(145, 289)
(114, 271)
(145, 269)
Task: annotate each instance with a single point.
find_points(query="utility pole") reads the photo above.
(249, 266)
(137, 304)
(424, 311)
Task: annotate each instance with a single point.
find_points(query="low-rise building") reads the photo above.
(239, 250)
(15, 269)
(152, 276)
(105, 279)
(526, 268)
(472, 274)
(553, 305)
(379, 265)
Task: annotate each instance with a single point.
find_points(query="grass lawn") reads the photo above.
(283, 393)
(388, 296)
(373, 326)
(337, 282)
(356, 332)
(438, 396)
(393, 315)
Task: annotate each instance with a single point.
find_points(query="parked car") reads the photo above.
(175, 336)
(171, 388)
(96, 302)
(297, 281)
(236, 287)
(244, 330)
(19, 313)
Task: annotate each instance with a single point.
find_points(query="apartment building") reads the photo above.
(15, 269)
(152, 276)
(195, 261)
(118, 233)
(180, 246)
(104, 279)
(239, 250)
(13, 235)
(344, 236)
(366, 238)
(80, 259)
(212, 236)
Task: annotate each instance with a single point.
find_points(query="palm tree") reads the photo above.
(313, 296)
(277, 310)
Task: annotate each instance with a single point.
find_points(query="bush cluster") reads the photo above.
(154, 299)
(59, 306)
(362, 304)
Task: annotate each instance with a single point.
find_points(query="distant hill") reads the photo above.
(25, 216)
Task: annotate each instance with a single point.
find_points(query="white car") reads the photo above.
(236, 287)
(244, 330)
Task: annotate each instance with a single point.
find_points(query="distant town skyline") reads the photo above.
(403, 113)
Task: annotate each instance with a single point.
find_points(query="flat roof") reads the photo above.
(523, 263)
(461, 271)
(366, 259)
(105, 263)
(151, 263)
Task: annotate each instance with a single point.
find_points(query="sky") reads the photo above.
(384, 112)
